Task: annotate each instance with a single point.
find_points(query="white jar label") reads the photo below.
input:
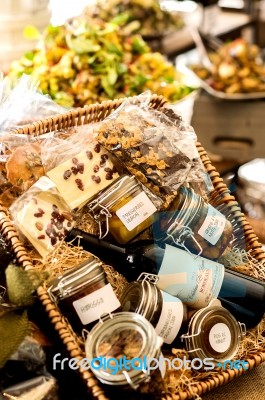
(220, 337)
(92, 306)
(194, 280)
(213, 225)
(170, 319)
(136, 211)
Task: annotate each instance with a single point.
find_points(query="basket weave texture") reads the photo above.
(220, 197)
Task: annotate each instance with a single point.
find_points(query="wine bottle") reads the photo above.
(195, 280)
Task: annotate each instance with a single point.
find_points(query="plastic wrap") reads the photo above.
(56, 150)
(79, 166)
(157, 147)
(22, 104)
(42, 216)
(39, 388)
(19, 105)
(25, 374)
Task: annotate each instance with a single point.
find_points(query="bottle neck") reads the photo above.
(130, 260)
(92, 243)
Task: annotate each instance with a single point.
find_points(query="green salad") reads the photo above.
(140, 16)
(87, 60)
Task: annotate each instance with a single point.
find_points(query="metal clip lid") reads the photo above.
(185, 233)
(72, 280)
(101, 205)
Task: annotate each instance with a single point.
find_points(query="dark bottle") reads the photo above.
(194, 280)
(130, 260)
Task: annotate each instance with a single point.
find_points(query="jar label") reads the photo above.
(170, 319)
(92, 306)
(136, 211)
(213, 225)
(194, 280)
(220, 337)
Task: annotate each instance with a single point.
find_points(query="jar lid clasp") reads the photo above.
(186, 338)
(152, 278)
(104, 211)
(131, 383)
(243, 329)
(185, 233)
(104, 317)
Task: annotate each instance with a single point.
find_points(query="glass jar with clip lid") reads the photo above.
(123, 209)
(194, 225)
(214, 333)
(164, 311)
(83, 294)
(118, 349)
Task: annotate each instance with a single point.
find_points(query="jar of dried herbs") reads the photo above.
(123, 209)
(194, 225)
(83, 294)
(165, 312)
(119, 350)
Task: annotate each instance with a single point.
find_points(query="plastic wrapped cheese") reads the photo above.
(81, 177)
(42, 216)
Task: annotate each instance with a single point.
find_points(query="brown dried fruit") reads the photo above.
(96, 168)
(74, 170)
(55, 214)
(38, 214)
(67, 174)
(89, 154)
(80, 168)
(49, 230)
(39, 226)
(60, 218)
(53, 241)
(109, 176)
(80, 184)
(74, 160)
(59, 225)
(96, 178)
(60, 236)
(41, 237)
(67, 215)
(97, 148)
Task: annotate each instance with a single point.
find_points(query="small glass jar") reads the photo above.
(83, 294)
(213, 332)
(194, 225)
(125, 209)
(119, 347)
(165, 312)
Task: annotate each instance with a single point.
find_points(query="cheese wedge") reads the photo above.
(83, 176)
(45, 221)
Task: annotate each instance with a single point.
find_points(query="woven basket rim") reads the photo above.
(86, 115)
(80, 115)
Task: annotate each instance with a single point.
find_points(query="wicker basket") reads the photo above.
(221, 196)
